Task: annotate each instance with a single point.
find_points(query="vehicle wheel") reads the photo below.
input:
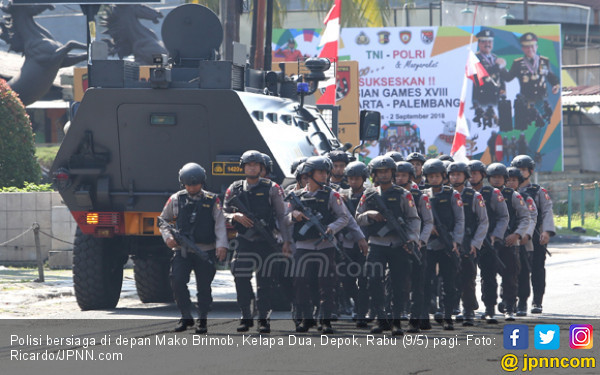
(152, 279)
(97, 272)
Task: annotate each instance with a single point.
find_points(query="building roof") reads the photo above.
(581, 95)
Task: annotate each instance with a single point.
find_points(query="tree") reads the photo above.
(17, 148)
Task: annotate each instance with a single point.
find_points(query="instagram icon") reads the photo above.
(581, 336)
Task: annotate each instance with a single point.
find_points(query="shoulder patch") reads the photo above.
(409, 198)
(338, 198)
(218, 203)
(363, 199)
(228, 193)
(530, 204)
(279, 189)
(546, 195)
(459, 201)
(426, 200)
(500, 197)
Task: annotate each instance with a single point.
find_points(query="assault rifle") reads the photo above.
(186, 244)
(487, 246)
(260, 226)
(395, 224)
(444, 236)
(314, 221)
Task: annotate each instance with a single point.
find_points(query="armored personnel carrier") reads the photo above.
(120, 158)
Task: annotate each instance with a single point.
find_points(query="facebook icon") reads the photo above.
(516, 336)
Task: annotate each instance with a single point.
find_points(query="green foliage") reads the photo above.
(17, 149)
(46, 155)
(27, 188)
(592, 225)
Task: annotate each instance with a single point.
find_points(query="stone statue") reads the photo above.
(129, 36)
(43, 54)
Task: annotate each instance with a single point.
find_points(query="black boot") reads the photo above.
(448, 325)
(202, 324)
(326, 327)
(425, 324)
(397, 328)
(264, 326)
(413, 326)
(305, 325)
(380, 326)
(246, 321)
(183, 324)
(468, 319)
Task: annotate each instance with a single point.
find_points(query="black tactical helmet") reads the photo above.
(299, 171)
(477, 165)
(446, 164)
(252, 156)
(404, 166)
(446, 157)
(516, 172)
(416, 156)
(382, 162)
(317, 163)
(434, 166)
(297, 162)
(268, 163)
(458, 166)
(497, 169)
(338, 155)
(395, 155)
(357, 169)
(192, 174)
(523, 161)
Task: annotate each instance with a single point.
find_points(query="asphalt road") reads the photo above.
(572, 298)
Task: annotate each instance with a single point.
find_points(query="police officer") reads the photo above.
(355, 244)
(198, 215)
(417, 160)
(532, 70)
(405, 173)
(493, 85)
(340, 160)
(448, 216)
(543, 231)
(515, 178)
(476, 227)
(268, 170)
(301, 178)
(518, 226)
(315, 257)
(386, 248)
(264, 199)
(498, 218)
(395, 155)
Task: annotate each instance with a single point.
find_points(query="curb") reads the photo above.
(561, 238)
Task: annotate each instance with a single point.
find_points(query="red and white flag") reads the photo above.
(329, 45)
(459, 145)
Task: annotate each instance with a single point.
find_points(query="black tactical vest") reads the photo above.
(319, 203)
(487, 192)
(442, 204)
(533, 191)
(393, 198)
(257, 200)
(195, 218)
(512, 212)
(417, 194)
(471, 219)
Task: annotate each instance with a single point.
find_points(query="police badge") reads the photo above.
(427, 36)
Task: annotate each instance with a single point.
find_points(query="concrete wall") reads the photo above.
(18, 211)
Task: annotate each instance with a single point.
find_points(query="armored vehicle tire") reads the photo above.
(97, 272)
(152, 279)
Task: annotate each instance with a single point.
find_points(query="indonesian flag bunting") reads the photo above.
(474, 67)
(459, 145)
(329, 45)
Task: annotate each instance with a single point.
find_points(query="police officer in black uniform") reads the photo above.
(315, 257)
(355, 244)
(498, 218)
(340, 160)
(515, 179)
(533, 71)
(476, 227)
(264, 199)
(395, 155)
(198, 215)
(448, 208)
(543, 231)
(386, 248)
(417, 160)
(493, 85)
(518, 225)
(405, 173)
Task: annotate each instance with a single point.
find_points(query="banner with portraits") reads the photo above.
(414, 76)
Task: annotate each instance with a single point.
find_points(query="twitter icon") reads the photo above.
(547, 337)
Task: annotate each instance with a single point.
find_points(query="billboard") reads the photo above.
(414, 76)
